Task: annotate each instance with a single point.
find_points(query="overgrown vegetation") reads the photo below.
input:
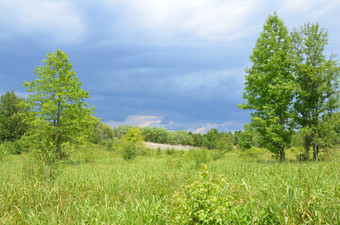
(292, 86)
(99, 186)
(61, 165)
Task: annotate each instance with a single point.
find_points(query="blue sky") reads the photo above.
(168, 63)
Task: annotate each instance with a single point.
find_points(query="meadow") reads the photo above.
(97, 186)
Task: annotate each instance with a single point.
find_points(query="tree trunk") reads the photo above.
(282, 155)
(315, 152)
(306, 147)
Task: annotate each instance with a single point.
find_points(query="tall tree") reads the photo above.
(269, 86)
(12, 123)
(317, 82)
(62, 118)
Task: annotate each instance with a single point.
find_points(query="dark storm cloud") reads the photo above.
(174, 64)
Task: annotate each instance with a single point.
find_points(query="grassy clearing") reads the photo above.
(99, 187)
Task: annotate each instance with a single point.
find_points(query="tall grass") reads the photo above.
(99, 187)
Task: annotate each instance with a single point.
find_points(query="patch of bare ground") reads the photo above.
(151, 145)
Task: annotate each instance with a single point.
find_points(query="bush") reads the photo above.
(205, 201)
(200, 156)
(109, 145)
(300, 153)
(217, 154)
(129, 151)
(14, 148)
(170, 151)
(254, 152)
(130, 144)
(3, 151)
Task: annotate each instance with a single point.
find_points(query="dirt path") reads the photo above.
(166, 146)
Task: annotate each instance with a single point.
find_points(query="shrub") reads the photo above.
(300, 153)
(200, 156)
(170, 151)
(217, 154)
(3, 151)
(129, 151)
(130, 144)
(205, 201)
(109, 145)
(254, 152)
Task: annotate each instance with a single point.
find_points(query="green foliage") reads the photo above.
(300, 153)
(180, 137)
(12, 117)
(269, 86)
(197, 139)
(200, 156)
(205, 201)
(38, 170)
(101, 134)
(254, 152)
(129, 151)
(118, 132)
(155, 134)
(317, 84)
(110, 191)
(170, 151)
(109, 145)
(131, 144)
(217, 154)
(3, 151)
(61, 118)
(15, 147)
(210, 139)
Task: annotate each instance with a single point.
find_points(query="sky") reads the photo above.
(166, 63)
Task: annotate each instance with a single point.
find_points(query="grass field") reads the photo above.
(99, 187)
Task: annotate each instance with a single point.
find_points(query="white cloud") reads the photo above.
(156, 121)
(138, 120)
(315, 8)
(194, 19)
(57, 19)
(203, 128)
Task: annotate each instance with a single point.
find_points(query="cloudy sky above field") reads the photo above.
(169, 63)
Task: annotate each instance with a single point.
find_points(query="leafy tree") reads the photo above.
(247, 138)
(154, 134)
(101, 133)
(224, 141)
(131, 142)
(269, 86)
(210, 139)
(197, 139)
(317, 83)
(121, 130)
(62, 119)
(12, 117)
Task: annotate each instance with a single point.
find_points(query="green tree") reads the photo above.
(131, 142)
(121, 130)
(317, 83)
(101, 133)
(210, 139)
(12, 117)
(62, 119)
(269, 86)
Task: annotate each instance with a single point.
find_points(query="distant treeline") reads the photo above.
(213, 139)
(13, 125)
